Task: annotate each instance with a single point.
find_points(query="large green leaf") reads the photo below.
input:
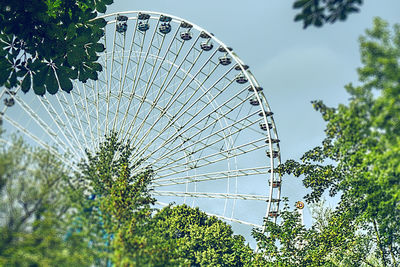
(99, 47)
(39, 78)
(65, 82)
(39, 89)
(26, 83)
(51, 83)
(101, 7)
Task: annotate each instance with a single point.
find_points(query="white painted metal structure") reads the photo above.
(192, 110)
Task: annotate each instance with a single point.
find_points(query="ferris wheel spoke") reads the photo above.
(169, 178)
(148, 86)
(136, 62)
(177, 88)
(210, 195)
(68, 117)
(209, 159)
(39, 121)
(38, 140)
(110, 79)
(78, 114)
(65, 131)
(179, 148)
(191, 117)
(88, 116)
(138, 79)
(162, 114)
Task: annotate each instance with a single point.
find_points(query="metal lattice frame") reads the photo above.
(181, 108)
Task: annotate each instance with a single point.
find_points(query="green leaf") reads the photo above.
(300, 3)
(108, 2)
(65, 82)
(101, 23)
(26, 83)
(75, 56)
(39, 89)
(99, 47)
(4, 74)
(101, 7)
(51, 83)
(39, 78)
(96, 66)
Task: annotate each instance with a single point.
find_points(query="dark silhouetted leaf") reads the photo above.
(51, 83)
(26, 83)
(65, 82)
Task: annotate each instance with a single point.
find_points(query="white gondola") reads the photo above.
(241, 79)
(225, 60)
(186, 36)
(263, 126)
(122, 27)
(9, 102)
(165, 28)
(254, 102)
(274, 153)
(206, 46)
(143, 26)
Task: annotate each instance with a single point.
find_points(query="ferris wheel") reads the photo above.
(190, 107)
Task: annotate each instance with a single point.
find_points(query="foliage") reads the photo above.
(44, 44)
(319, 12)
(35, 211)
(359, 158)
(331, 241)
(181, 235)
(116, 210)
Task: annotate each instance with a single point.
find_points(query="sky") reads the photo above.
(293, 65)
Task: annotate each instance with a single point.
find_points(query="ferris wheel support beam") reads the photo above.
(179, 148)
(210, 156)
(160, 182)
(210, 195)
(160, 116)
(186, 123)
(60, 125)
(39, 121)
(36, 139)
(137, 82)
(171, 79)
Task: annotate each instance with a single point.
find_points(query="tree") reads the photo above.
(330, 241)
(359, 157)
(181, 235)
(319, 12)
(44, 44)
(116, 209)
(34, 210)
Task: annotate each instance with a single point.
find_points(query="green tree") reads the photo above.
(116, 209)
(359, 158)
(35, 210)
(330, 241)
(182, 235)
(319, 12)
(44, 44)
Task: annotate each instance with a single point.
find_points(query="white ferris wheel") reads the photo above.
(191, 108)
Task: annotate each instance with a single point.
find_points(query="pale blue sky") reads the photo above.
(293, 65)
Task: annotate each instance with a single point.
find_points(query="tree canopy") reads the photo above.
(35, 210)
(116, 209)
(44, 44)
(359, 160)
